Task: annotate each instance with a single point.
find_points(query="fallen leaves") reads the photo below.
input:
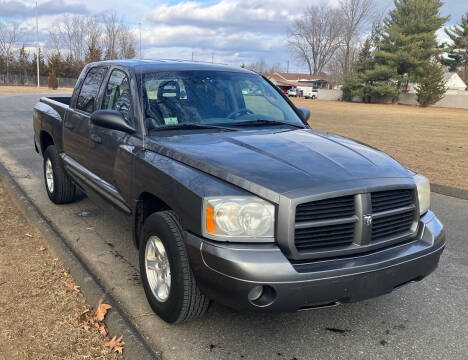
(42, 248)
(101, 310)
(116, 344)
(29, 235)
(88, 320)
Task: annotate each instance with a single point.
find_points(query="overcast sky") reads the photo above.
(235, 31)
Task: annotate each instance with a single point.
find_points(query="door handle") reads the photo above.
(97, 139)
(68, 125)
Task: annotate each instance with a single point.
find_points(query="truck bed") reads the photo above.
(61, 99)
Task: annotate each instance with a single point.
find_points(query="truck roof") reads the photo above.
(143, 66)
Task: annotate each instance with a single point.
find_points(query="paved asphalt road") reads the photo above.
(425, 320)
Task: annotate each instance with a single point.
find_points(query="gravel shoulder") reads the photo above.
(39, 301)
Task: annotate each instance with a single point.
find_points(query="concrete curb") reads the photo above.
(118, 322)
(450, 191)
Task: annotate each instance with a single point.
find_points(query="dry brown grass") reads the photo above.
(11, 90)
(432, 141)
(39, 305)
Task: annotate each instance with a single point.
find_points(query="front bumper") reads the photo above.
(227, 272)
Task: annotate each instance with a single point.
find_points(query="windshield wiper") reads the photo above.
(192, 126)
(264, 122)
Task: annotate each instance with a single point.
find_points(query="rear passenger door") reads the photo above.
(76, 127)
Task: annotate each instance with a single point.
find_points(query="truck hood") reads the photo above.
(275, 161)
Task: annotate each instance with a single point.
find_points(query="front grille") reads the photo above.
(324, 236)
(392, 199)
(321, 235)
(339, 226)
(326, 209)
(392, 225)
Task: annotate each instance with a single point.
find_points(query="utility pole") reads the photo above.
(287, 69)
(37, 48)
(139, 26)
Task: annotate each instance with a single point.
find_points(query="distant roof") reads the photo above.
(295, 76)
(173, 65)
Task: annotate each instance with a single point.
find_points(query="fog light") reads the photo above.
(255, 293)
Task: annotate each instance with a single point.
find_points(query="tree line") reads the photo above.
(72, 42)
(402, 48)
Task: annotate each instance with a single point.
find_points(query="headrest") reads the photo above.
(169, 90)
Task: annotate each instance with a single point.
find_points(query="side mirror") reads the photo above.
(111, 119)
(305, 113)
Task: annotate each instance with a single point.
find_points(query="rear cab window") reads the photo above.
(89, 90)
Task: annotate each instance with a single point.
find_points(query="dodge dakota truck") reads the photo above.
(231, 195)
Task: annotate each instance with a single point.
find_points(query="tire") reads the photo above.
(62, 190)
(183, 300)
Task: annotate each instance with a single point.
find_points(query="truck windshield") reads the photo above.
(213, 98)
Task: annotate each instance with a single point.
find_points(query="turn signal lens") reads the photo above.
(210, 221)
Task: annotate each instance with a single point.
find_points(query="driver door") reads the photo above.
(110, 149)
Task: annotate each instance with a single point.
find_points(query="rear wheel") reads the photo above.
(167, 278)
(58, 183)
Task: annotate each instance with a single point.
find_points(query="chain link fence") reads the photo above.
(31, 80)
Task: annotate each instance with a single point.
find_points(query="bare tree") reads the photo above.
(260, 66)
(355, 14)
(8, 35)
(111, 31)
(93, 40)
(70, 33)
(316, 36)
(126, 41)
(56, 37)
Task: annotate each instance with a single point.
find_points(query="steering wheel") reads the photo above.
(236, 114)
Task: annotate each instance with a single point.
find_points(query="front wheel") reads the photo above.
(167, 278)
(58, 183)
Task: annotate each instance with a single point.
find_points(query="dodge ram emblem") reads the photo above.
(367, 220)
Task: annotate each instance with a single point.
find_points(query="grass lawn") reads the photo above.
(432, 141)
(12, 89)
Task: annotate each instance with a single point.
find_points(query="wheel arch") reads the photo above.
(146, 204)
(45, 140)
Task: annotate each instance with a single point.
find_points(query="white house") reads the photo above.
(453, 82)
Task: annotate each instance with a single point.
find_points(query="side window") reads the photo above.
(117, 96)
(89, 90)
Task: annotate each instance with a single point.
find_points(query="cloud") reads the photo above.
(17, 9)
(265, 16)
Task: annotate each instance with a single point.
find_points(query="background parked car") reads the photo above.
(310, 93)
(293, 92)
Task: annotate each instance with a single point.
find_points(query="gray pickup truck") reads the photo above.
(231, 195)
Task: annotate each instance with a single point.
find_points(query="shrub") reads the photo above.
(52, 81)
(431, 87)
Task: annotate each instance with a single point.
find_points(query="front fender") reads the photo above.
(179, 186)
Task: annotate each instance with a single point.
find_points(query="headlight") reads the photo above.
(424, 193)
(239, 218)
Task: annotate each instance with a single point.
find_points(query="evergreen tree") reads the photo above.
(23, 62)
(431, 87)
(409, 39)
(458, 51)
(93, 54)
(371, 81)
